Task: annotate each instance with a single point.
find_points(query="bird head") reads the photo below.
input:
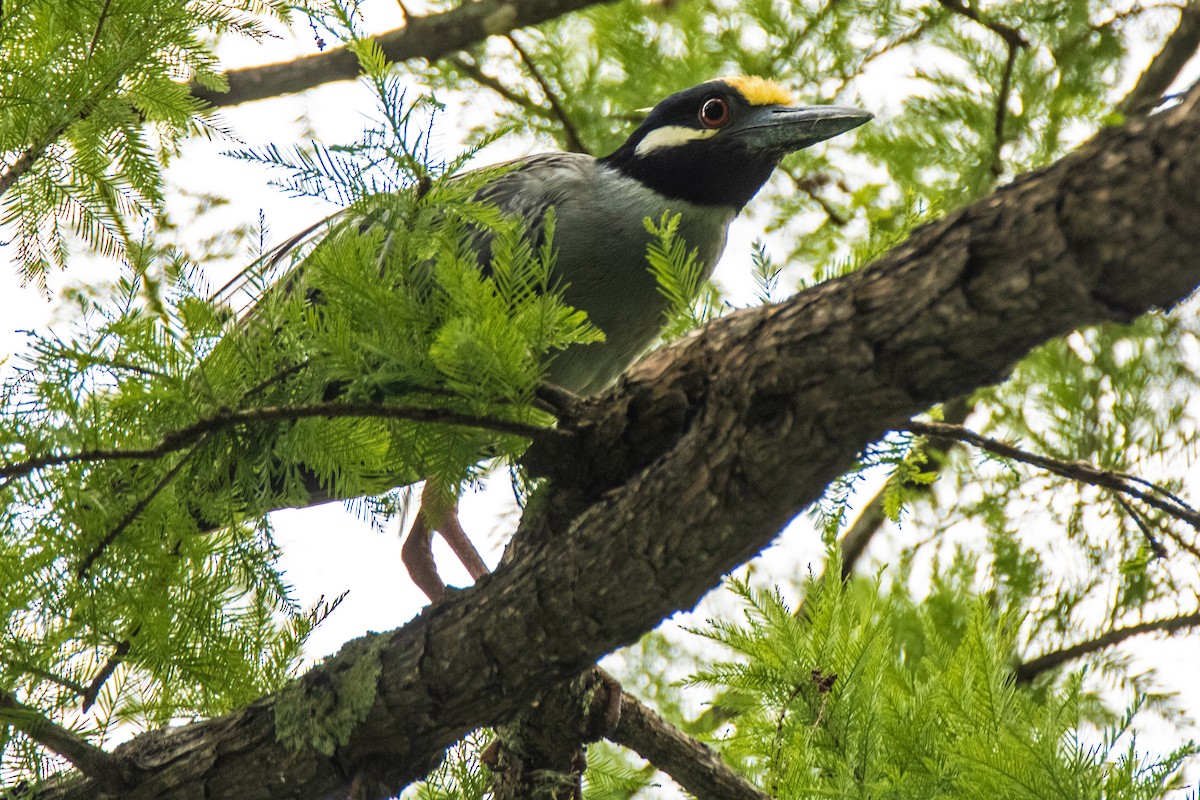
(717, 143)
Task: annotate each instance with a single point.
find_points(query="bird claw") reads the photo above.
(417, 550)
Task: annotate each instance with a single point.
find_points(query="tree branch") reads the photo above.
(696, 459)
(1165, 67)
(1010, 35)
(810, 185)
(574, 143)
(190, 434)
(136, 511)
(1074, 470)
(691, 763)
(1152, 541)
(871, 519)
(1002, 110)
(106, 672)
(16, 170)
(102, 768)
(1028, 670)
(476, 73)
(430, 37)
(1154, 81)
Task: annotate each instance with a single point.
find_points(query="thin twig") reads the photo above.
(106, 672)
(16, 667)
(1155, 545)
(885, 46)
(1075, 470)
(809, 184)
(1159, 489)
(1165, 67)
(135, 512)
(872, 518)
(93, 762)
(1002, 110)
(475, 73)
(574, 143)
(277, 378)
(1016, 42)
(99, 27)
(1181, 543)
(1029, 670)
(183, 437)
(1009, 34)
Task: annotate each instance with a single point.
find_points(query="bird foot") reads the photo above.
(417, 551)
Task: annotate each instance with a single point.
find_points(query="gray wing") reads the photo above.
(527, 190)
(530, 189)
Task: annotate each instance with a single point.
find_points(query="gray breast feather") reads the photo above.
(601, 242)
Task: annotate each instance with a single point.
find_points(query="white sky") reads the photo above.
(328, 551)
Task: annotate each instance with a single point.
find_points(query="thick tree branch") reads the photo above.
(704, 451)
(691, 763)
(1029, 670)
(430, 37)
(1165, 67)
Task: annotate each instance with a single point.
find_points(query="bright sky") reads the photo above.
(327, 550)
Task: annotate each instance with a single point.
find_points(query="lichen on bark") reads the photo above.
(321, 709)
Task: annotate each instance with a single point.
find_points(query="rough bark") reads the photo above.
(541, 755)
(692, 764)
(704, 451)
(430, 37)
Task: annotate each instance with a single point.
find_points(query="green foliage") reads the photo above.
(460, 776)
(906, 460)
(165, 558)
(84, 147)
(864, 693)
(874, 689)
(1119, 398)
(680, 276)
(611, 776)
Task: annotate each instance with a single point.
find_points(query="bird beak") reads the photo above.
(781, 129)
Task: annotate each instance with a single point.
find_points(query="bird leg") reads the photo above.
(435, 515)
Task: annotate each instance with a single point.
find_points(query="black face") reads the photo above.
(714, 170)
(712, 146)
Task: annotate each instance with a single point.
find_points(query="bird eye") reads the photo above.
(714, 113)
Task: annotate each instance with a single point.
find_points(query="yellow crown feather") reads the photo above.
(760, 91)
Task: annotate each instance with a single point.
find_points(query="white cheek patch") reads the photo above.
(672, 136)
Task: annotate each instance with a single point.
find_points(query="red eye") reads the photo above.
(714, 113)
